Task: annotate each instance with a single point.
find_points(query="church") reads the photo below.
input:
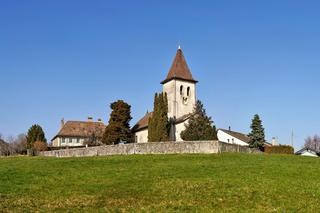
(180, 87)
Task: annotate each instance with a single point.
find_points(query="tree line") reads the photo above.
(34, 139)
(313, 143)
(199, 127)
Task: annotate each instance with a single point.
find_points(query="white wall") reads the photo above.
(65, 141)
(179, 105)
(309, 154)
(224, 137)
(55, 142)
(179, 128)
(141, 136)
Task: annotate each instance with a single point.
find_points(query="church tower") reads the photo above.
(180, 88)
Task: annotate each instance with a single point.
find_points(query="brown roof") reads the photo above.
(142, 123)
(183, 118)
(179, 69)
(81, 129)
(238, 135)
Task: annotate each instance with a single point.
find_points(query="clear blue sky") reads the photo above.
(71, 59)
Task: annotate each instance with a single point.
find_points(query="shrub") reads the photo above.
(40, 146)
(281, 149)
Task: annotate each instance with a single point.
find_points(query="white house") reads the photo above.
(233, 137)
(180, 87)
(308, 152)
(75, 133)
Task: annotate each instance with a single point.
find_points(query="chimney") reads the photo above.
(100, 120)
(229, 128)
(62, 123)
(90, 119)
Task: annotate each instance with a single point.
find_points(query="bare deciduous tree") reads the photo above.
(16, 145)
(313, 143)
(20, 144)
(4, 147)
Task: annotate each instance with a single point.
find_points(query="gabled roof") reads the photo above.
(81, 129)
(179, 69)
(143, 122)
(243, 137)
(307, 149)
(237, 135)
(183, 118)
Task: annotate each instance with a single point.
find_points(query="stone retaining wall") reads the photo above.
(149, 148)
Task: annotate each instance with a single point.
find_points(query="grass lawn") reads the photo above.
(161, 183)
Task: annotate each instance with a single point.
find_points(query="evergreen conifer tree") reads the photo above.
(118, 128)
(152, 129)
(158, 126)
(199, 126)
(257, 137)
(35, 133)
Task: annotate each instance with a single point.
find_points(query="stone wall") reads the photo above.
(149, 148)
(227, 147)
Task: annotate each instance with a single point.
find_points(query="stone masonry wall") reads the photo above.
(149, 148)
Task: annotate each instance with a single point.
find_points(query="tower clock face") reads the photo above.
(185, 100)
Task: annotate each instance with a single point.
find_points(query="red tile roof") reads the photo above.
(179, 69)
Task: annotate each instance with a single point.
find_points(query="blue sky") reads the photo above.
(71, 59)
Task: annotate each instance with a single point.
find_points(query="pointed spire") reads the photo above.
(179, 69)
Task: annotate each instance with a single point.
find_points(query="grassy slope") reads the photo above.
(227, 182)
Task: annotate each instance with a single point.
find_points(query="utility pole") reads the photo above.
(292, 138)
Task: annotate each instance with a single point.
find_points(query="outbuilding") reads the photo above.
(308, 152)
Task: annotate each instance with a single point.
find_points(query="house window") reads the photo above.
(62, 140)
(136, 139)
(78, 140)
(232, 140)
(228, 140)
(188, 91)
(181, 90)
(70, 140)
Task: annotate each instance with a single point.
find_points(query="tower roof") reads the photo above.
(179, 69)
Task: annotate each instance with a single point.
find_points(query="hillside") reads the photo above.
(227, 182)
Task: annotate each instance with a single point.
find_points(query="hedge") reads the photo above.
(281, 149)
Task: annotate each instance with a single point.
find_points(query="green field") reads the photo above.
(161, 183)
